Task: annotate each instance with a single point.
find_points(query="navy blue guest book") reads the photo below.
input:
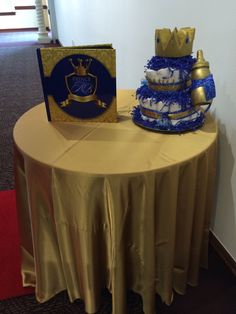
(79, 83)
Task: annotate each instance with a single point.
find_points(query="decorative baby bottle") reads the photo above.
(203, 87)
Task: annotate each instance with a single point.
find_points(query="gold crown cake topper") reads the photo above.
(174, 44)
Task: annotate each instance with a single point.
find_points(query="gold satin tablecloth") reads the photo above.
(112, 205)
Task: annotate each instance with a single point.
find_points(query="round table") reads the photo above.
(112, 205)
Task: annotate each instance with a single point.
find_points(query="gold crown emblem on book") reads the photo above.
(174, 44)
(82, 67)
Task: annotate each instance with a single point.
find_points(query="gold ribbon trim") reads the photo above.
(83, 99)
(173, 116)
(169, 87)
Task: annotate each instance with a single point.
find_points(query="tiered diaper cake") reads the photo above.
(178, 89)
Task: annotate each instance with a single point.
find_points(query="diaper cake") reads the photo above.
(178, 89)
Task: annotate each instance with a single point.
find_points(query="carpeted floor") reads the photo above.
(18, 38)
(20, 89)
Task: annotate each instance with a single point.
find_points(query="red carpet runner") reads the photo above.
(10, 276)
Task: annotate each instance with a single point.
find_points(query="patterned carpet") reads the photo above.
(20, 89)
(58, 305)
